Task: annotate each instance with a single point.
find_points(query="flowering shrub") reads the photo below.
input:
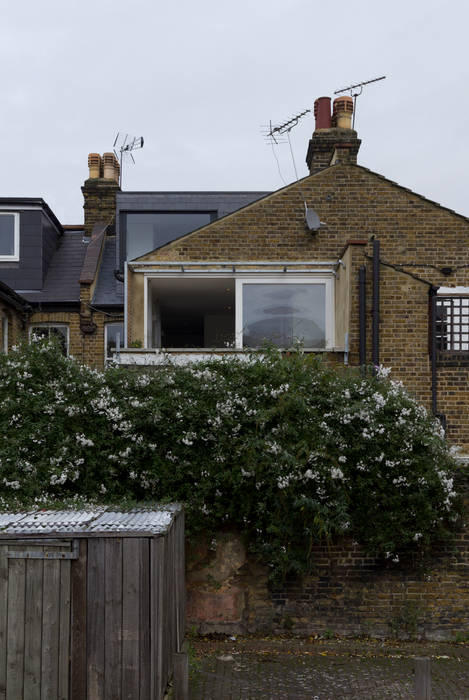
(284, 448)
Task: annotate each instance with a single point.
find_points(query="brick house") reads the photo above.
(377, 275)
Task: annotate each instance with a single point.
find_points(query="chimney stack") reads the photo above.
(334, 140)
(99, 190)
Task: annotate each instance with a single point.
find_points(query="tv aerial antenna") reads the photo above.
(353, 94)
(273, 136)
(127, 145)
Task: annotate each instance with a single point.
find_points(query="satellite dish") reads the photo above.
(313, 221)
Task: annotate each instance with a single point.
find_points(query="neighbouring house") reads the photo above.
(350, 264)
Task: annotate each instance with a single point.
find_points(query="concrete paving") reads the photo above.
(254, 669)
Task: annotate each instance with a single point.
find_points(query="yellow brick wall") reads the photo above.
(355, 203)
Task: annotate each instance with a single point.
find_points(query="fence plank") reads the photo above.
(15, 633)
(145, 620)
(130, 618)
(3, 619)
(78, 633)
(33, 629)
(50, 627)
(95, 619)
(64, 631)
(158, 617)
(113, 618)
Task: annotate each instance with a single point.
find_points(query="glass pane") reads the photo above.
(7, 234)
(145, 232)
(60, 333)
(283, 314)
(112, 329)
(38, 332)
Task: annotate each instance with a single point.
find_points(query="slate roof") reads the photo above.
(108, 291)
(62, 278)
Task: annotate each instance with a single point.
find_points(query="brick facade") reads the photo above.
(418, 239)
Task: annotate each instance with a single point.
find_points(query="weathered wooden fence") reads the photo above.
(96, 613)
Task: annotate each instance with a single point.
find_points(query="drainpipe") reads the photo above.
(433, 350)
(362, 316)
(375, 318)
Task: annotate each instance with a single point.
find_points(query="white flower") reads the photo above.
(83, 440)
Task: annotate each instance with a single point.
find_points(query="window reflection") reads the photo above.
(284, 314)
(112, 331)
(150, 230)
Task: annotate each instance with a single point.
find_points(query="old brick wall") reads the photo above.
(348, 594)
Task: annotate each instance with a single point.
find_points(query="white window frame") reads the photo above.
(16, 233)
(285, 279)
(106, 326)
(51, 324)
(240, 279)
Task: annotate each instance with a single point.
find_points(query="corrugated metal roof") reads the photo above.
(91, 522)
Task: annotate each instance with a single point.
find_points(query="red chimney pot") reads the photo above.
(322, 112)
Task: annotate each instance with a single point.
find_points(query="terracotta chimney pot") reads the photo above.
(322, 113)
(342, 112)
(109, 169)
(94, 165)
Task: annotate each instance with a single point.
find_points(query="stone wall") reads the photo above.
(348, 593)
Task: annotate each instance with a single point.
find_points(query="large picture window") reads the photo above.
(219, 311)
(283, 314)
(9, 236)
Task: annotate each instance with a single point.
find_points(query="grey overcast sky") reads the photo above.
(198, 78)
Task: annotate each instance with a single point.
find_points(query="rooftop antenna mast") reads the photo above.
(357, 94)
(272, 135)
(126, 147)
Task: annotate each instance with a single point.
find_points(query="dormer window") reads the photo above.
(9, 236)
